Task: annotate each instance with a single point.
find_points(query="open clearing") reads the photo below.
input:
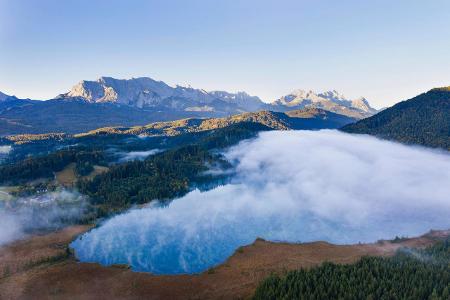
(97, 171)
(68, 176)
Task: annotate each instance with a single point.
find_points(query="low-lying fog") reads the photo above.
(5, 149)
(48, 211)
(136, 155)
(294, 186)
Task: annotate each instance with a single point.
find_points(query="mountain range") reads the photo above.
(125, 102)
(145, 92)
(331, 101)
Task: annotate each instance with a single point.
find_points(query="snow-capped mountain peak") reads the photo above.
(333, 95)
(328, 100)
(363, 104)
(145, 92)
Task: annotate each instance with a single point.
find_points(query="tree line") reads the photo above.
(410, 274)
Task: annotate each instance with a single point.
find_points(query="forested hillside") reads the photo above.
(171, 173)
(164, 134)
(410, 274)
(307, 119)
(166, 175)
(422, 120)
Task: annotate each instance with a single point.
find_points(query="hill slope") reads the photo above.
(307, 119)
(74, 116)
(71, 116)
(422, 120)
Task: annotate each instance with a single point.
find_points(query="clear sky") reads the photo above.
(385, 50)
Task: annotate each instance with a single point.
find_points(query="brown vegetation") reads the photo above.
(67, 177)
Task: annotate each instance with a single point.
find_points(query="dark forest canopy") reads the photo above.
(44, 167)
(410, 274)
(166, 175)
(422, 120)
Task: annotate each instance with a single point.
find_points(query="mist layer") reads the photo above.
(48, 211)
(293, 186)
(136, 155)
(5, 149)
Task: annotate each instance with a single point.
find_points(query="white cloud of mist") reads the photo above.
(10, 229)
(48, 211)
(136, 155)
(5, 149)
(290, 186)
(4, 152)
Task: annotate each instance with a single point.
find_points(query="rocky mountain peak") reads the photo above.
(329, 100)
(363, 104)
(144, 92)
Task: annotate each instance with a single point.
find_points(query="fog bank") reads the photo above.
(289, 186)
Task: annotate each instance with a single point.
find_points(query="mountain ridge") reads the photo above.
(138, 101)
(145, 92)
(310, 118)
(422, 120)
(330, 100)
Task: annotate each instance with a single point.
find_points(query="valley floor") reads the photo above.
(40, 267)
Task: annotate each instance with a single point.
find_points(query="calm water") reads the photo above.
(292, 186)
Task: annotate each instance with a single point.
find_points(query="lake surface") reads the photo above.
(290, 186)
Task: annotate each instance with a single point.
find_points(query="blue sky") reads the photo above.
(384, 50)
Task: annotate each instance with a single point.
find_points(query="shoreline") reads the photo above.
(51, 271)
